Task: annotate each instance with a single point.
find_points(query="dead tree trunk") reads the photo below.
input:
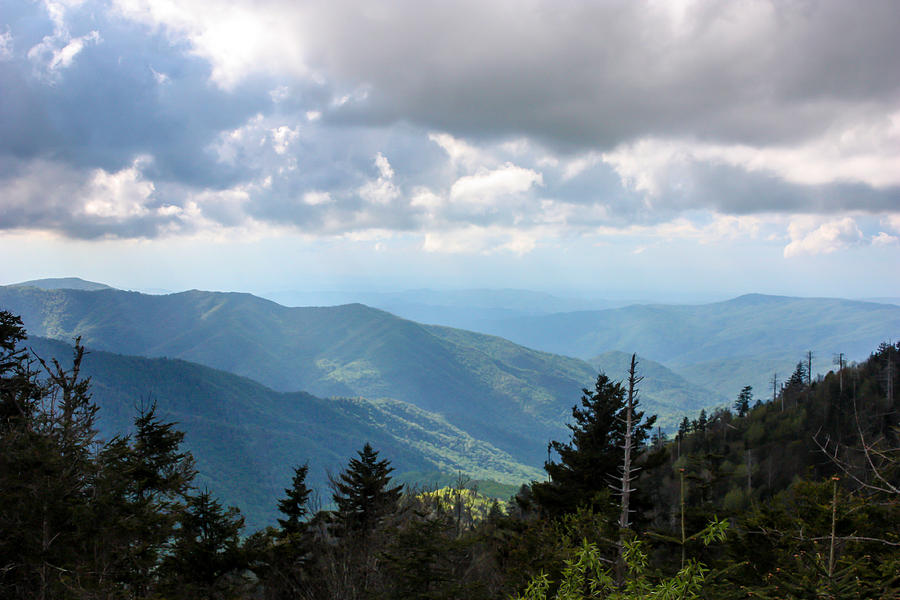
(627, 469)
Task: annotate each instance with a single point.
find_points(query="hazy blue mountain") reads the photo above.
(728, 376)
(511, 396)
(247, 438)
(889, 300)
(711, 344)
(476, 309)
(64, 283)
(662, 391)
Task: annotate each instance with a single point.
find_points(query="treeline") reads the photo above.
(795, 497)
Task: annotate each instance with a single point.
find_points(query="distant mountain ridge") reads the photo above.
(666, 387)
(64, 283)
(492, 389)
(710, 344)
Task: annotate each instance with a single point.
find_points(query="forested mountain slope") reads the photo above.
(246, 437)
(350, 350)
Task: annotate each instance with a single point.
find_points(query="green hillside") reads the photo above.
(246, 438)
(494, 390)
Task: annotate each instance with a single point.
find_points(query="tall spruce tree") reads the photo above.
(363, 493)
(591, 461)
(207, 560)
(742, 404)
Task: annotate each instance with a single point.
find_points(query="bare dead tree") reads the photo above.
(775, 390)
(628, 471)
(876, 455)
(809, 357)
(839, 361)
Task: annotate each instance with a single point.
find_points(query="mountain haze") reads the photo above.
(720, 346)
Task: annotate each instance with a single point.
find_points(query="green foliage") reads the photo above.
(742, 404)
(295, 506)
(585, 576)
(363, 494)
(590, 461)
(207, 560)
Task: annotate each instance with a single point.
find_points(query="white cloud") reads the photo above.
(381, 190)
(282, 137)
(824, 239)
(161, 78)
(885, 239)
(238, 39)
(460, 152)
(578, 165)
(280, 94)
(261, 143)
(317, 198)
(384, 167)
(866, 153)
(474, 239)
(57, 52)
(486, 187)
(893, 221)
(6, 45)
(120, 195)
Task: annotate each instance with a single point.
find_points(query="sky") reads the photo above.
(658, 148)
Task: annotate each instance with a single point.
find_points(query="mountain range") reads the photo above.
(260, 387)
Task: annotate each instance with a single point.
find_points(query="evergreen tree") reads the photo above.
(742, 404)
(207, 560)
(284, 568)
(47, 473)
(363, 494)
(158, 476)
(295, 507)
(702, 421)
(591, 461)
(19, 389)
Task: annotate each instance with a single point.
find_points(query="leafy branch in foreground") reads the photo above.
(585, 577)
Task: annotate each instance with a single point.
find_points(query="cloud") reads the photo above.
(885, 239)
(575, 75)
(162, 118)
(382, 190)
(486, 188)
(317, 198)
(474, 239)
(864, 153)
(6, 45)
(824, 239)
(57, 51)
(120, 195)
(893, 221)
(462, 155)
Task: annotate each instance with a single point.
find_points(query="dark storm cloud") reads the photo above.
(597, 74)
